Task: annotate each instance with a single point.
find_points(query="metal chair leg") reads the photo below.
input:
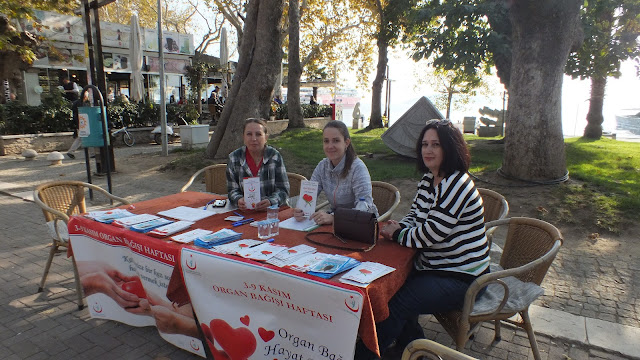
(78, 287)
(532, 336)
(52, 252)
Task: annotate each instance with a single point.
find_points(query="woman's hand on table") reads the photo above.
(388, 230)
(298, 214)
(263, 205)
(322, 218)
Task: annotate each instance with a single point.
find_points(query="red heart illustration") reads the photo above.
(265, 334)
(245, 320)
(217, 354)
(238, 343)
(307, 197)
(365, 271)
(135, 287)
(291, 251)
(243, 245)
(266, 252)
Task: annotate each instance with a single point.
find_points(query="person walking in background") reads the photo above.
(257, 159)
(71, 89)
(76, 123)
(342, 176)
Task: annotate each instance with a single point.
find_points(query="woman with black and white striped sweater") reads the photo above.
(446, 225)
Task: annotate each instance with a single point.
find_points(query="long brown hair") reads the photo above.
(350, 152)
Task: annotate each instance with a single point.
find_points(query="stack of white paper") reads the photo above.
(363, 274)
(291, 255)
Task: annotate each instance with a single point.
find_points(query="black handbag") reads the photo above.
(354, 225)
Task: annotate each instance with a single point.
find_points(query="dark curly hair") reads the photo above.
(455, 152)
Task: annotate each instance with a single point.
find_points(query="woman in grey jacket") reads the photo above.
(342, 176)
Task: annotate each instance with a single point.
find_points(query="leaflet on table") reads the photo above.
(308, 197)
(233, 247)
(363, 274)
(150, 225)
(251, 192)
(107, 216)
(333, 265)
(291, 255)
(186, 213)
(261, 252)
(305, 263)
(171, 229)
(136, 219)
(293, 224)
(217, 238)
(189, 236)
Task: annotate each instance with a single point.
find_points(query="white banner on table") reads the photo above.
(250, 311)
(110, 265)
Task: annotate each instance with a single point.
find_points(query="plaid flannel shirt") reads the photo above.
(274, 183)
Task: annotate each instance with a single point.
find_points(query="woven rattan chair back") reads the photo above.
(386, 197)
(495, 205)
(215, 179)
(65, 196)
(294, 183)
(431, 350)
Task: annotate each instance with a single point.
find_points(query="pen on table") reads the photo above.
(266, 241)
(242, 222)
(207, 204)
(238, 214)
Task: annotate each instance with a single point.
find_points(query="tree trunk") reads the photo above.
(594, 116)
(449, 99)
(295, 69)
(543, 33)
(253, 83)
(376, 88)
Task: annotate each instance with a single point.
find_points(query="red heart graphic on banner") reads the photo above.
(135, 287)
(217, 354)
(365, 271)
(265, 334)
(266, 252)
(307, 197)
(243, 245)
(245, 320)
(291, 251)
(238, 343)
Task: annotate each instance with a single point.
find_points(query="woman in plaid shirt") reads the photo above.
(257, 159)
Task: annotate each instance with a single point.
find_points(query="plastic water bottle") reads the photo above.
(362, 205)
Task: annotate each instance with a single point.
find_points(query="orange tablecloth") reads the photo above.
(376, 295)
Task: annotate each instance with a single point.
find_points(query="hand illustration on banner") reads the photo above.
(236, 344)
(98, 277)
(170, 319)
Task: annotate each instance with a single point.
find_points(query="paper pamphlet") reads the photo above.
(137, 219)
(171, 229)
(262, 252)
(308, 197)
(293, 224)
(251, 192)
(236, 246)
(186, 213)
(107, 216)
(365, 273)
(189, 236)
(305, 263)
(287, 257)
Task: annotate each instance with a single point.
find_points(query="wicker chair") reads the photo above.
(58, 201)
(496, 207)
(215, 179)
(529, 249)
(427, 349)
(386, 197)
(294, 183)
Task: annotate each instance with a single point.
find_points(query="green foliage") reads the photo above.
(611, 28)
(308, 111)
(182, 113)
(124, 110)
(53, 115)
(468, 36)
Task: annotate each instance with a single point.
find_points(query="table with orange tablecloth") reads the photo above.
(376, 295)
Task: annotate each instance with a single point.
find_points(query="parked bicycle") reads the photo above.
(127, 138)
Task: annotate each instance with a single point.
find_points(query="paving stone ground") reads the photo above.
(48, 325)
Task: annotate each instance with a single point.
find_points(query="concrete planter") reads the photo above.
(193, 136)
